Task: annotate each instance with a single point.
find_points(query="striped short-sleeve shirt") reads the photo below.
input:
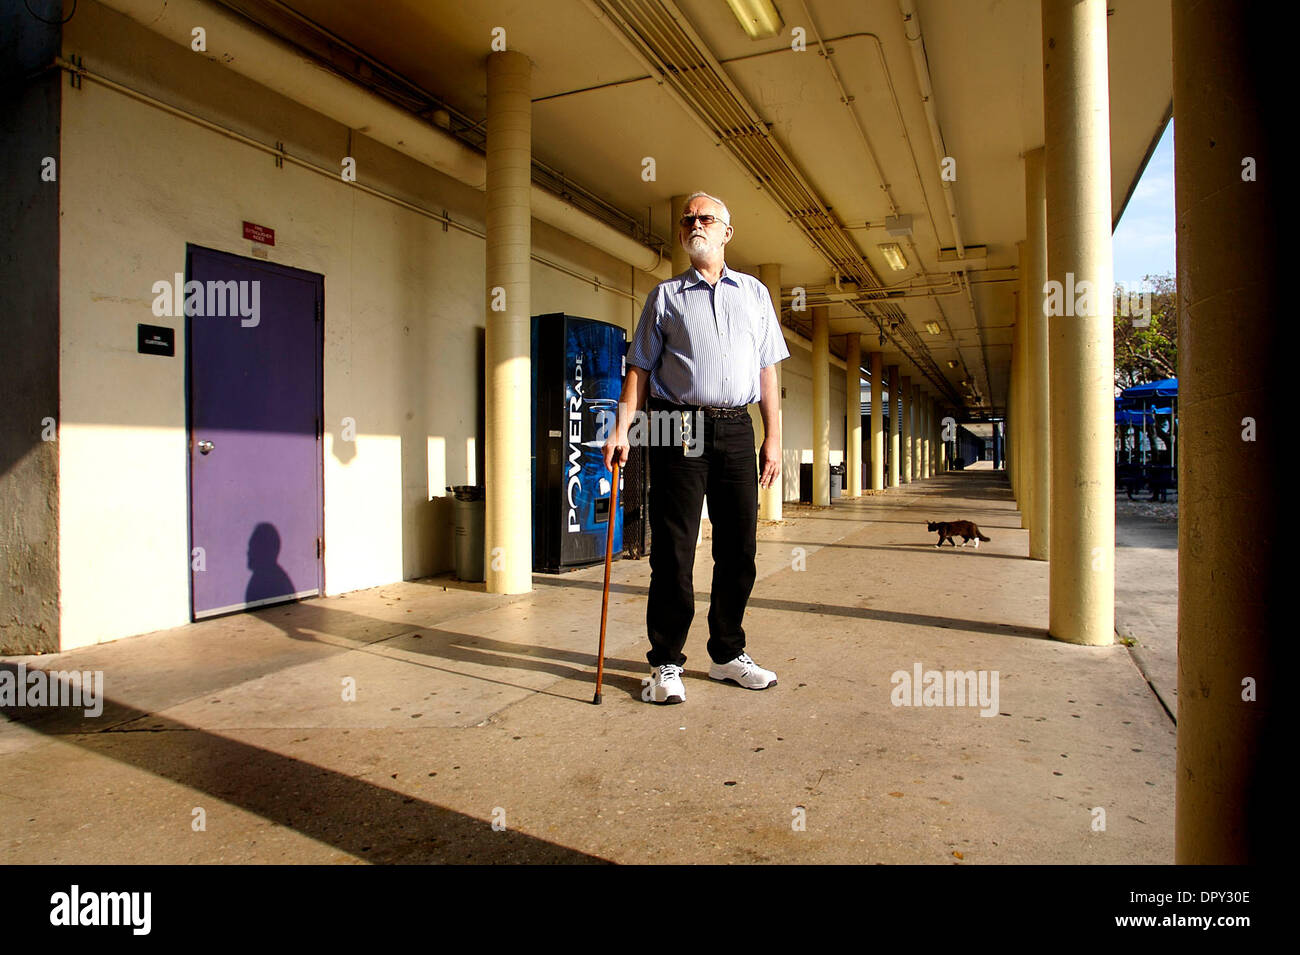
(705, 345)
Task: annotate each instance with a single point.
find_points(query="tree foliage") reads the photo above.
(1148, 353)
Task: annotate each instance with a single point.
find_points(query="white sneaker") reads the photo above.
(665, 685)
(744, 672)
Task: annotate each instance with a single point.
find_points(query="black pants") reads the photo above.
(727, 473)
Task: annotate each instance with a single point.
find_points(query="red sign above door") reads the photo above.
(259, 233)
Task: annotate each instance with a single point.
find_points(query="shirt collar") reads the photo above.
(692, 277)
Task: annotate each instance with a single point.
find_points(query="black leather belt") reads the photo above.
(708, 410)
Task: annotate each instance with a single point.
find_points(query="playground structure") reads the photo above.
(1146, 439)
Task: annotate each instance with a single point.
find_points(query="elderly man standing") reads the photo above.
(706, 345)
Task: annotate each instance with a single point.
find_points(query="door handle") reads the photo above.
(205, 447)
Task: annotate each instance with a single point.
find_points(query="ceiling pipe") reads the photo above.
(663, 41)
(912, 29)
(921, 66)
(249, 51)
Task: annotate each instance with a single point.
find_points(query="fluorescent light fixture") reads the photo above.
(759, 18)
(932, 328)
(893, 254)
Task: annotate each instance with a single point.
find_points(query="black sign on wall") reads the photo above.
(155, 340)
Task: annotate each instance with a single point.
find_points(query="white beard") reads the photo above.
(699, 245)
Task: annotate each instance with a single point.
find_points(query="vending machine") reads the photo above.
(577, 371)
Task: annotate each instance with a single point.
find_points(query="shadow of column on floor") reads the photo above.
(372, 823)
(862, 613)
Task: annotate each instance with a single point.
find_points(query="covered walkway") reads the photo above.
(473, 708)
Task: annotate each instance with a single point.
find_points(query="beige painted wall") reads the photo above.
(403, 319)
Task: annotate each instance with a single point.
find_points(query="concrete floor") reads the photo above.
(472, 708)
(1146, 590)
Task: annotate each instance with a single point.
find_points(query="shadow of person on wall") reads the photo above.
(269, 579)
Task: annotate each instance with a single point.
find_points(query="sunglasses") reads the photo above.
(705, 220)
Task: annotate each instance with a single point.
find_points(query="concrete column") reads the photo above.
(934, 436)
(918, 433)
(508, 545)
(924, 443)
(917, 428)
(930, 447)
(877, 423)
(770, 498)
(853, 415)
(1080, 349)
(930, 438)
(681, 260)
(1038, 425)
(939, 415)
(922, 424)
(929, 435)
(1012, 442)
(1009, 441)
(1236, 610)
(1019, 382)
(905, 428)
(30, 474)
(943, 441)
(821, 405)
(942, 413)
(1009, 420)
(1021, 405)
(1018, 404)
(895, 427)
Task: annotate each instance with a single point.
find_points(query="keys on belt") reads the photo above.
(686, 415)
(709, 411)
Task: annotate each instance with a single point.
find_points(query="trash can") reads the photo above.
(837, 480)
(469, 515)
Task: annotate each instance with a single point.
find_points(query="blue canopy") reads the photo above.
(1147, 408)
(1125, 416)
(1128, 415)
(1166, 388)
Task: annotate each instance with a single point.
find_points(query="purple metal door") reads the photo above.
(255, 346)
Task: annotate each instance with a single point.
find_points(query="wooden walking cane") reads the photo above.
(604, 599)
